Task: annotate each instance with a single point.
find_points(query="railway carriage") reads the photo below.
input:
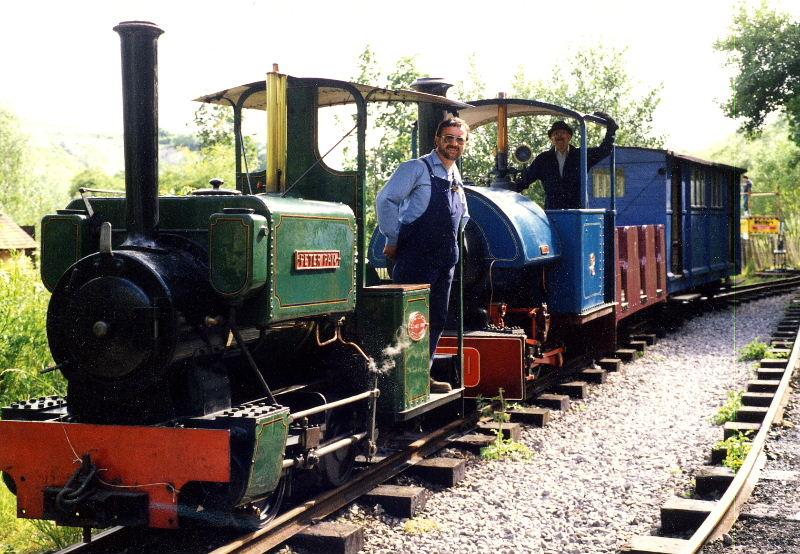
(697, 202)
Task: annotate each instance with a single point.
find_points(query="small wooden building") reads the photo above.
(12, 238)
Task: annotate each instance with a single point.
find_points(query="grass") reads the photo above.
(754, 350)
(729, 410)
(738, 447)
(503, 448)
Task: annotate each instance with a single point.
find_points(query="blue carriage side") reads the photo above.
(696, 200)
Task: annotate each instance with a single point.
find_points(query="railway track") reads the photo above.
(300, 517)
(702, 521)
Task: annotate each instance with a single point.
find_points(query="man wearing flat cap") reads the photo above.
(559, 169)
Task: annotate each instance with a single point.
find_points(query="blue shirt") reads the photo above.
(407, 194)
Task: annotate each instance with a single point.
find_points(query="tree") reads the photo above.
(593, 80)
(391, 123)
(16, 196)
(214, 125)
(765, 50)
(96, 178)
(773, 163)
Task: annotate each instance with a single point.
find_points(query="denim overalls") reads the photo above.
(427, 249)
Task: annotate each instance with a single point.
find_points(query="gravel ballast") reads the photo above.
(601, 471)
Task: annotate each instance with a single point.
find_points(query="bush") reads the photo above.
(738, 447)
(729, 410)
(755, 350)
(23, 338)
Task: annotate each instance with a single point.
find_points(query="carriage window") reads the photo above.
(698, 188)
(601, 182)
(716, 191)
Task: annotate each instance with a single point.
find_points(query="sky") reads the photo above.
(61, 60)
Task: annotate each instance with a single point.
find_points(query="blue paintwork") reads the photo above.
(576, 283)
(709, 237)
(515, 229)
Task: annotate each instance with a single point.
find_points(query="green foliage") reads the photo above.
(763, 48)
(214, 125)
(389, 126)
(773, 164)
(737, 447)
(729, 410)
(25, 535)
(96, 178)
(503, 448)
(23, 339)
(776, 355)
(194, 169)
(23, 353)
(594, 80)
(172, 140)
(20, 194)
(754, 350)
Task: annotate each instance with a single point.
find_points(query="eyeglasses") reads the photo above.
(452, 138)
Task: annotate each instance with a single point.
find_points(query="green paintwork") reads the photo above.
(267, 463)
(382, 312)
(238, 253)
(293, 224)
(65, 240)
(306, 172)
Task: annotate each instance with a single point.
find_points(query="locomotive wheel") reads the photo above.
(259, 513)
(336, 468)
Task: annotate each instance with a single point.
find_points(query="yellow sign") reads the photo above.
(763, 225)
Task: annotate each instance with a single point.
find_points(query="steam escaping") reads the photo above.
(390, 353)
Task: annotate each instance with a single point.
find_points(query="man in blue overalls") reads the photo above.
(419, 212)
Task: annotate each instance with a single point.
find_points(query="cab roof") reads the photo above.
(481, 112)
(328, 95)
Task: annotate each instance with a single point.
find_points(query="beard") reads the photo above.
(449, 152)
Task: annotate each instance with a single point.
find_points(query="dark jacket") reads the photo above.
(563, 192)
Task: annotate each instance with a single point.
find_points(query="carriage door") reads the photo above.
(676, 223)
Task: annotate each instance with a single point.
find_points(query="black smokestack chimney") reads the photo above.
(140, 116)
(429, 115)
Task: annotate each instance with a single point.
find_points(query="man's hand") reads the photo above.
(611, 125)
(390, 251)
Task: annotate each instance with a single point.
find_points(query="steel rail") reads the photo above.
(733, 495)
(787, 282)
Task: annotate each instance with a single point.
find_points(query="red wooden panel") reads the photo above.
(152, 460)
(661, 261)
(630, 275)
(472, 362)
(647, 261)
(501, 364)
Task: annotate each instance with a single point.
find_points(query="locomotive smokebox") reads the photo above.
(140, 115)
